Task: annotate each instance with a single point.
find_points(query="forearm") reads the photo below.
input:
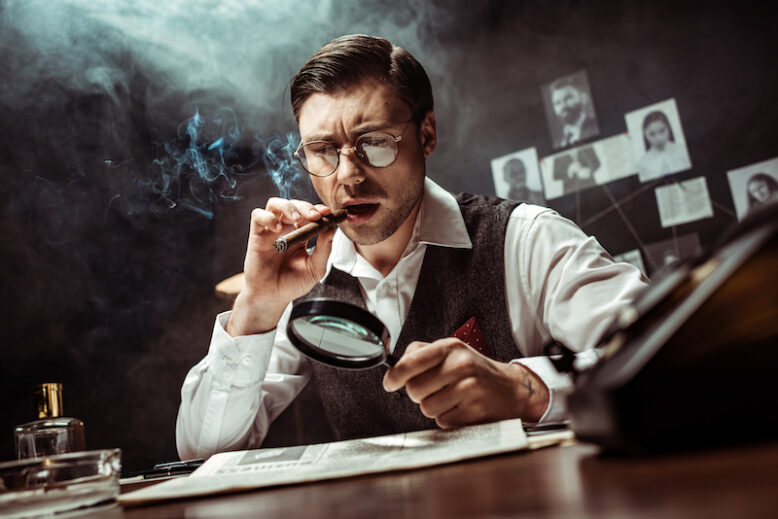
(230, 398)
(214, 417)
(558, 385)
(250, 316)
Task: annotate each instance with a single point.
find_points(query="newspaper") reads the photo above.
(242, 470)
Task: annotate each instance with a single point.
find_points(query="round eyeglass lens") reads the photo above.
(319, 158)
(377, 149)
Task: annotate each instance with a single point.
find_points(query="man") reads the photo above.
(515, 175)
(576, 169)
(420, 259)
(571, 106)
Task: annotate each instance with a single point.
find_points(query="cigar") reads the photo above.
(309, 230)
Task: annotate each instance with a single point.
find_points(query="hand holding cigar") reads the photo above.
(299, 236)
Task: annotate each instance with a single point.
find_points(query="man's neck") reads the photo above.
(385, 255)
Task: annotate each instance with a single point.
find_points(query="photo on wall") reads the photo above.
(586, 166)
(753, 185)
(517, 177)
(664, 253)
(658, 142)
(570, 111)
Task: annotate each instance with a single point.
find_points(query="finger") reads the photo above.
(440, 402)
(264, 220)
(422, 357)
(293, 212)
(447, 372)
(323, 209)
(456, 416)
(321, 253)
(415, 345)
(465, 410)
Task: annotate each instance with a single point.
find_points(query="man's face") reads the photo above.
(568, 103)
(514, 173)
(381, 199)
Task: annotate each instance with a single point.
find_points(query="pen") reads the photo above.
(172, 468)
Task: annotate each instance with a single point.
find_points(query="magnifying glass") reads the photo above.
(339, 334)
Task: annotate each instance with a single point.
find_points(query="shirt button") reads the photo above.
(247, 361)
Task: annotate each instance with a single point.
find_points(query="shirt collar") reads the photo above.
(439, 222)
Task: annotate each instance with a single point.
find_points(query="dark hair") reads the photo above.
(348, 60)
(772, 185)
(513, 161)
(652, 117)
(567, 81)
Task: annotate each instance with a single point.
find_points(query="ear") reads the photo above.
(428, 133)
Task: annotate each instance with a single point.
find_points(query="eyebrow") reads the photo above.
(353, 135)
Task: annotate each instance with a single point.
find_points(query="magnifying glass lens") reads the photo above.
(348, 329)
(338, 334)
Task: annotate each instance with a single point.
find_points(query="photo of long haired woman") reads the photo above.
(753, 185)
(657, 141)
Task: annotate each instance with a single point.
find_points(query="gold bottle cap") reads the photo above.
(48, 400)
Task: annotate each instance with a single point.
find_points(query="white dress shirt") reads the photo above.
(558, 283)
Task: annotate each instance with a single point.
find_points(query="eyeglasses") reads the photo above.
(375, 149)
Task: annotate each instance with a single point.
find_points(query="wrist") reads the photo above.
(533, 393)
(250, 317)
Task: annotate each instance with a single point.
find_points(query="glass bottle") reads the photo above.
(51, 433)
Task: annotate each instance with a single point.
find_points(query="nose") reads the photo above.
(349, 169)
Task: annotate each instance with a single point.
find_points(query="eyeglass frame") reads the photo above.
(353, 147)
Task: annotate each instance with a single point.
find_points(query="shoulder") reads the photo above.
(531, 219)
(482, 205)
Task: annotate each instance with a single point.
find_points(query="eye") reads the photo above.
(319, 148)
(376, 140)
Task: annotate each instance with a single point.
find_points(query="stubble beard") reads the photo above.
(571, 114)
(392, 219)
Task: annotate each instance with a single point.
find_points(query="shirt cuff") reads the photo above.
(238, 361)
(559, 386)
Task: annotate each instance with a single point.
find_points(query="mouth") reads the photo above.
(360, 213)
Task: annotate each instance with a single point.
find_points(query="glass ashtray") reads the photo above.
(51, 484)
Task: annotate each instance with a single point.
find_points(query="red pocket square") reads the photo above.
(470, 334)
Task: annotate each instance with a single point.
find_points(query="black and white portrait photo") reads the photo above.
(658, 142)
(570, 110)
(753, 185)
(517, 177)
(570, 171)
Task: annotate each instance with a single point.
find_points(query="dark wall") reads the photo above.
(118, 220)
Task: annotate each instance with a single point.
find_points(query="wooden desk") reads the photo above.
(571, 481)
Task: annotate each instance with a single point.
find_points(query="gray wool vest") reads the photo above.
(454, 285)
